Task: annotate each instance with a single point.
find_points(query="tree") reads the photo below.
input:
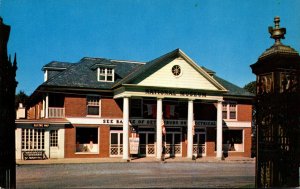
(251, 87)
(21, 97)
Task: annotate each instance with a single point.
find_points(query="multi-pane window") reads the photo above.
(109, 76)
(33, 139)
(229, 110)
(232, 111)
(101, 74)
(93, 105)
(106, 74)
(54, 138)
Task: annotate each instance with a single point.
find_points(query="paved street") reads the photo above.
(137, 175)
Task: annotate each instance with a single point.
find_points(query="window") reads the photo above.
(93, 105)
(33, 139)
(233, 140)
(101, 74)
(87, 140)
(109, 76)
(176, 70)
(54, 138)
(136, 108)
(106, 74)
(229, 110)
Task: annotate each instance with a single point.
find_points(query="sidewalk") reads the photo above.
(138, 160)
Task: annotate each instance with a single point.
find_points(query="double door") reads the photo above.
(172, 141)
(147, 144)
(116, 143)
(199, 148)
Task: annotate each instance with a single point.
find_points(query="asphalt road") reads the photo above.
(137, 175)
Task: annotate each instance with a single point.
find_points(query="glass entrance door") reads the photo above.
(116, 143)
(199, 149)
(147, 144)
(173, 144)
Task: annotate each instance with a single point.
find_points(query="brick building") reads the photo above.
(111, 108)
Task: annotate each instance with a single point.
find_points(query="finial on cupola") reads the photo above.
(277, 33)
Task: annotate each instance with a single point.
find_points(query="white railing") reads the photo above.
(147, 150)
(199, 149)
(173, 149)
(55, 112)
(116, 150)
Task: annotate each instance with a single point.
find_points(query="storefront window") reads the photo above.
(87, 140)
(233, 140)
(33, 139)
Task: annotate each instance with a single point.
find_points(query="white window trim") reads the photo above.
(228, 110)
(105, 75)
(119, 132)
(29, 142)
(98, 149)
(87, 115)
(243, 135)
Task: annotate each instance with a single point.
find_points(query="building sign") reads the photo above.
(168, 92)
(140, 122)
(152, 122)
(134, 145)
(40, 125)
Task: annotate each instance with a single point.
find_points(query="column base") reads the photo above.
(220, 158)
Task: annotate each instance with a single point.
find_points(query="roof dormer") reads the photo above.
(105, 72)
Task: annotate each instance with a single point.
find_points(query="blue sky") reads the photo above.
(225, 36)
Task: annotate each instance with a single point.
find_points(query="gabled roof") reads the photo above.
(83, 74)
(56, 65)
(157, 63)
(232, 89)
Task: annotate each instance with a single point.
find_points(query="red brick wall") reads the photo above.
(75, 106)
(244, 112)
(247, 141)
(34, 111)
(70, 142)
(104, 140)
(109, 108)
(184, 145)
(210, 141)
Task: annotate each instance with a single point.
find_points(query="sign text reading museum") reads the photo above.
(174, 93)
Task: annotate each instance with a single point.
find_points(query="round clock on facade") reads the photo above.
(176, 70)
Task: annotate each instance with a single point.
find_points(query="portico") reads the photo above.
(186, 126)
(177, 78)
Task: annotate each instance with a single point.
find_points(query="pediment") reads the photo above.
(178, 73)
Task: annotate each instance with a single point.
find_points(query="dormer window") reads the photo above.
(106, 74)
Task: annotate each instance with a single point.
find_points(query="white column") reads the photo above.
(219, 130)
(61, 143)
(18, 139)
(47, 143)
(125, 128)
(190, 129)
(47, 105)
(159, 129)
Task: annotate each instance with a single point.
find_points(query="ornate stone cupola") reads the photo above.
(277, 73)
